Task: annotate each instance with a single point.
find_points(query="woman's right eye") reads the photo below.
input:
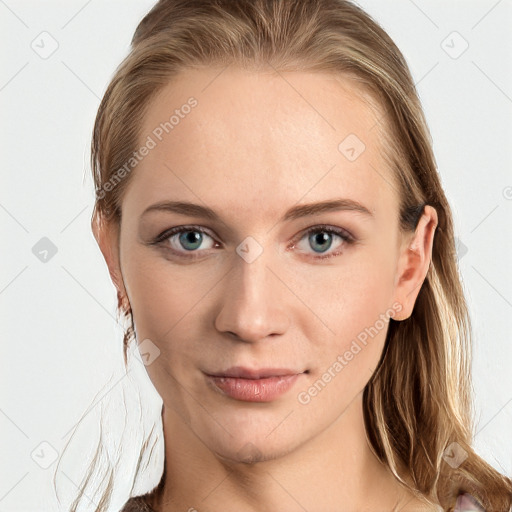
(185, 239)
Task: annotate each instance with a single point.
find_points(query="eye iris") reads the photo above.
(193, 237)
(321, 237)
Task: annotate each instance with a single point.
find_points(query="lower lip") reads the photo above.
(254, 390)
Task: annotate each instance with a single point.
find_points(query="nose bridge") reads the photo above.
(251, 306)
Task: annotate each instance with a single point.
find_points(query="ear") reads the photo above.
(414, 262)
(107, 237)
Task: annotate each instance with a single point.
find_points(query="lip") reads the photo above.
(242, 372)
(254, 385)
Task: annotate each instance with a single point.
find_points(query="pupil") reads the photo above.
(192, 237)
(321, 238)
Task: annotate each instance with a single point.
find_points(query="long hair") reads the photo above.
(418, 403)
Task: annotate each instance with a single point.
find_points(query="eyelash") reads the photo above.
(319, 228)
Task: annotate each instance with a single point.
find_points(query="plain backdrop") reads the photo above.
(61, 345)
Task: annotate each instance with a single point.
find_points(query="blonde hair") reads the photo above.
(418, 402)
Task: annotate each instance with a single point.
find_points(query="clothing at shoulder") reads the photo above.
(136, 504)
(466, 503)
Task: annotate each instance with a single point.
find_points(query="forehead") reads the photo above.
(256, 136)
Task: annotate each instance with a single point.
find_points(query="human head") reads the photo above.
(420, 390)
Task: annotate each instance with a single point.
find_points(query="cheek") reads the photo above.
(354, 302)
(349, 295)
(162, 294)
(168, 304)
(346, 360)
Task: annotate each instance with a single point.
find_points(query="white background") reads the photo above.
(61, 348)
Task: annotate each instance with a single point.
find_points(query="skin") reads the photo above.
(257, 144)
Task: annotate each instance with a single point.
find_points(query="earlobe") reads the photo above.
(414, 262)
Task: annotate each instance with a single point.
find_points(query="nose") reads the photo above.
(253, 302)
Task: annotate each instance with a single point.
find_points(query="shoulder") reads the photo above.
(417, 505)
(136, 504)
(466, 503)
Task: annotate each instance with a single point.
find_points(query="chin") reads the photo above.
(249, 444)
(251, 453)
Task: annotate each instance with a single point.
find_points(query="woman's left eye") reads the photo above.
(321, 239)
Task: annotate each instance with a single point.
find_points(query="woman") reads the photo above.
(235, 140)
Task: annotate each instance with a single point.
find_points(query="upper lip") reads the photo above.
(258, 373)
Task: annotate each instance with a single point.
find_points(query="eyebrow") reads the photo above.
(296, 212)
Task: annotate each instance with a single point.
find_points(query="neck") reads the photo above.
(336, 470)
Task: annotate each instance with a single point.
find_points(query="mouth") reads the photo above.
(241, 372)
(254, 385)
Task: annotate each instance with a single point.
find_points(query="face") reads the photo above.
(250, 279)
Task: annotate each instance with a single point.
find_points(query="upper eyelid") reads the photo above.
(168, 233)
(328, 228)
